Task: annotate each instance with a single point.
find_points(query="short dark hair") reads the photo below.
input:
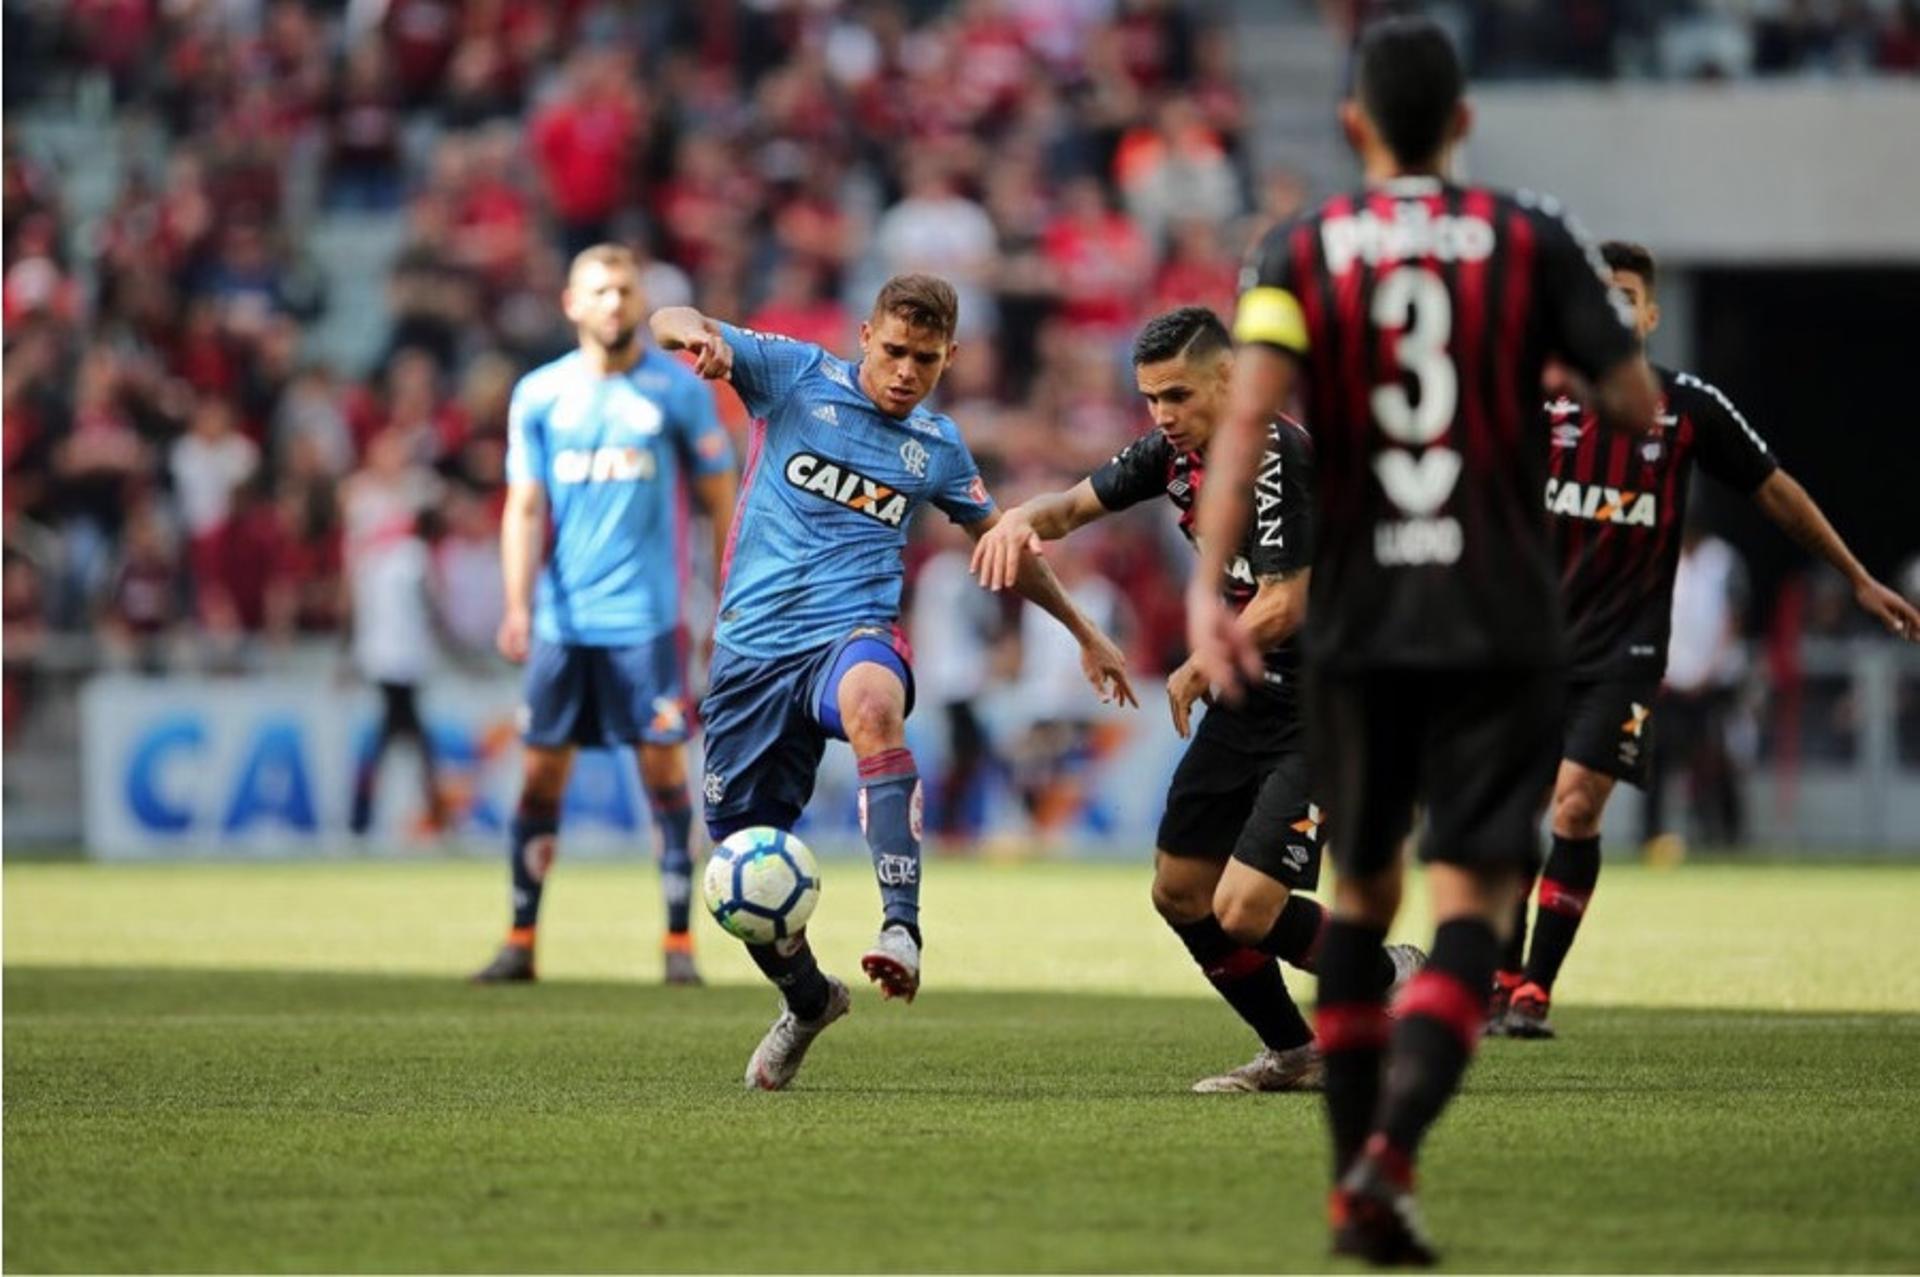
(1193, 331)
(924, 301)
(1408, 78)
(1620, 254)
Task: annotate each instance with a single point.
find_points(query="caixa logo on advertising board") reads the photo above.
(165, 782)
(269, 767)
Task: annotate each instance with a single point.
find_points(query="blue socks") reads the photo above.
(673, 813)
(890, 817)
(529, 854)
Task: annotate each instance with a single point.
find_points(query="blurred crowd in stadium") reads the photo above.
(176, 453)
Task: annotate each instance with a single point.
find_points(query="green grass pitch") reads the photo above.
(277, 1068)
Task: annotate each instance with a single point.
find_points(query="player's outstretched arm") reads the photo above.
(1263, 378)
(1100, 657)
(1785, 502)
(684, 328)
(1018, 532)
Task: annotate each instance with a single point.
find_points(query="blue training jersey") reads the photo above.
(831, 482)
(610, 449)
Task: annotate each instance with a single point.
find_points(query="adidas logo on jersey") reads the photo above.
(602, 465)
(846, 486)
(1601, 504)
(826, 413)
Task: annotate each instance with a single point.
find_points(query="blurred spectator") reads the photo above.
(1706, 663)
(208, 465)
(363, 162)
(143, 604)
(938, 230)
(583, 142)
(1176, 168)
(797, 306)
(1100, 263)
(953, 630)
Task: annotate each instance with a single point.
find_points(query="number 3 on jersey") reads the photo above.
(1412, 304)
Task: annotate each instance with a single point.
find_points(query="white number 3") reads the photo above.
(1413, 302)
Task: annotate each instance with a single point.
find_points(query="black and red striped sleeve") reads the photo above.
(1587, 325)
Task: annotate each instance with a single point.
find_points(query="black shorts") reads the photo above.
(1251, 805)
(1609, 726)
(1477, 748)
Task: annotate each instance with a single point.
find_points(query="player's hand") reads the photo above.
(1887, 607)
(515, 636)
(1224, 653)
(1185, 686)
(997, 554)
(1106, 669)
(712, 357)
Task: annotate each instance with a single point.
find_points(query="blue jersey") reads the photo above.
(831, 482)
(610, 452)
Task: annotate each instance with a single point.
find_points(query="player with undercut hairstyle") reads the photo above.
(1619, 507)
(808, 647)
(1416, 318)
(593, 547)
(1240, 836)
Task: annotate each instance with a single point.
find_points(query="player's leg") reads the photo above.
(556, 707)
(1361, 732)
(1566, 886)
(865, 694)
(1208, 804)
(410, 723)
(663, 772)
(1486, 741)
(762, 750)
(533, 841)
(1609, 738)
(646, 703)
(366, 775)
(1275, 859)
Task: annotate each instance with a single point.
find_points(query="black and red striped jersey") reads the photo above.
(1422, 314)
(1279, 541)
(1618, 504)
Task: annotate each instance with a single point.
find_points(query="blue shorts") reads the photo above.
(768, 723)
(595, 696)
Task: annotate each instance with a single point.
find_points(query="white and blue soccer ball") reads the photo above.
(761, 884)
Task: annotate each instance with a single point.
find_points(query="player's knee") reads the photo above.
(542, 787)
(1177, 902)
(1246, 919)
(1373, 899)
(872, 718)
(1576, 812)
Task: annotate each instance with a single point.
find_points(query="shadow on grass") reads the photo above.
(170, 1120)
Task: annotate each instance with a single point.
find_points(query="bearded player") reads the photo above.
(593, 548)
(808, 646)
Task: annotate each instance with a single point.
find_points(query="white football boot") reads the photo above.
(779, 1056)
(894, 963)
(1298, 1069)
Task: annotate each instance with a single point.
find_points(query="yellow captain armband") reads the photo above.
(1271, 316)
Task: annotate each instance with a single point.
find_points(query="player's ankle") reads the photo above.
(521, 938)
(911, 928)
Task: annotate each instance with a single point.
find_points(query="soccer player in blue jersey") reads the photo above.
(594, 552)
(807, 647)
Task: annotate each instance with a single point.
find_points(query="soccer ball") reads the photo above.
(761, 884)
